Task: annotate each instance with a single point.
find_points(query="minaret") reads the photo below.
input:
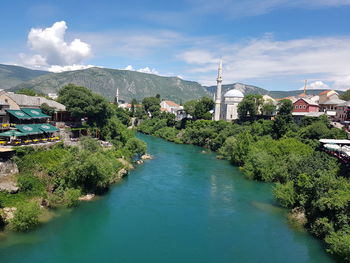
(218, 94)
(117, 96)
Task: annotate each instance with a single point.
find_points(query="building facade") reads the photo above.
(226, 107)
(305, 105)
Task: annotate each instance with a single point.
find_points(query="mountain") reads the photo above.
(249, 89)
(283, 94)
(131, 84)
(246, 89)
(11, 76)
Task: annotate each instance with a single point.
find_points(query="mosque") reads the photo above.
(226, 108)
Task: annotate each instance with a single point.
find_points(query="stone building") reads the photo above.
(226, 107)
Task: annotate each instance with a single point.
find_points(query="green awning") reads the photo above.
(12, 133)
(29, 129)
(34, 113)
(19, 114)
(47, 127)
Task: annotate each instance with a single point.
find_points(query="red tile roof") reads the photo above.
(171, 103)
(325, 92)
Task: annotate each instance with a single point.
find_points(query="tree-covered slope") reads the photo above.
(246, 89)
(11, 76)
(249, 89)
(131, 84)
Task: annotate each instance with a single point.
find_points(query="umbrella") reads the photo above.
(12, 133)
(332, 147)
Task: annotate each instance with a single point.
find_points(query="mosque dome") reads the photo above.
(234, 93)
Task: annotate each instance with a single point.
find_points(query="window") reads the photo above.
(304, 107)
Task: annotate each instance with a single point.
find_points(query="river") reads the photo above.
(182, 206)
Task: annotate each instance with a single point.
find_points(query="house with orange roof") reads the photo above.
(170, 106)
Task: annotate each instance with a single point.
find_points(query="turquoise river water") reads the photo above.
(182, 206)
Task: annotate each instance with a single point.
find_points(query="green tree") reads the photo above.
(136, 147)
(71, 197)
(190, 107)
(199, 109)
(26, 91)
(339, 243)
(26, 217)
(81, 102)
(248, 108)
(268, 108)
(285, 194)
(133, 105)
(284, 120)
(151, 105)
(47, 109)
(345, 95)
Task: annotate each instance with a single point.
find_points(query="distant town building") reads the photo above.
(343, 111)
(230, 107)
(170, 106)
(327, 95)
(12, 101)
(305, 105)
(53, 96)
(326, 103)
(329, 101)
(226, 108)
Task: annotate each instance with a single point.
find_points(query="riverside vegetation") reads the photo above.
(307, 180)
(58, 176)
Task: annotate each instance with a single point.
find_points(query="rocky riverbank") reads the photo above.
(39, 180)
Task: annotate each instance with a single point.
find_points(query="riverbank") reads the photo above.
(59, 177)
(306, 179)
(183, 206)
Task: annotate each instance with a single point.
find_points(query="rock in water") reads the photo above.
(146, 157)
(87, 197)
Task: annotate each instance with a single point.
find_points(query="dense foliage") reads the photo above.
(26, 91)
(26, 217)
(58, 176)
(283, 152)
(199, 109)
(81, 102)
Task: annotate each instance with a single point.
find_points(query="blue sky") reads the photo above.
(274, 44)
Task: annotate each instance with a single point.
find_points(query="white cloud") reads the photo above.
(147, 70)
(342, 83)
(129, 67)
(239, 8)
(52, 51)
(198, 57)
(257, 59)
(57, 69)
(132, 44)
(316, 85)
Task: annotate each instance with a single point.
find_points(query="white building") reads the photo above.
(170, 106)
(226, 108)
(230, 107)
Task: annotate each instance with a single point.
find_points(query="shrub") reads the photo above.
(136, 147)
(339, 243)
(322, 227)
(71, 197)
(90, 144)
(30, 183)
(26, 217)
(284, 193)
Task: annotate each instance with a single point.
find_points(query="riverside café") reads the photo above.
(27, 126)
